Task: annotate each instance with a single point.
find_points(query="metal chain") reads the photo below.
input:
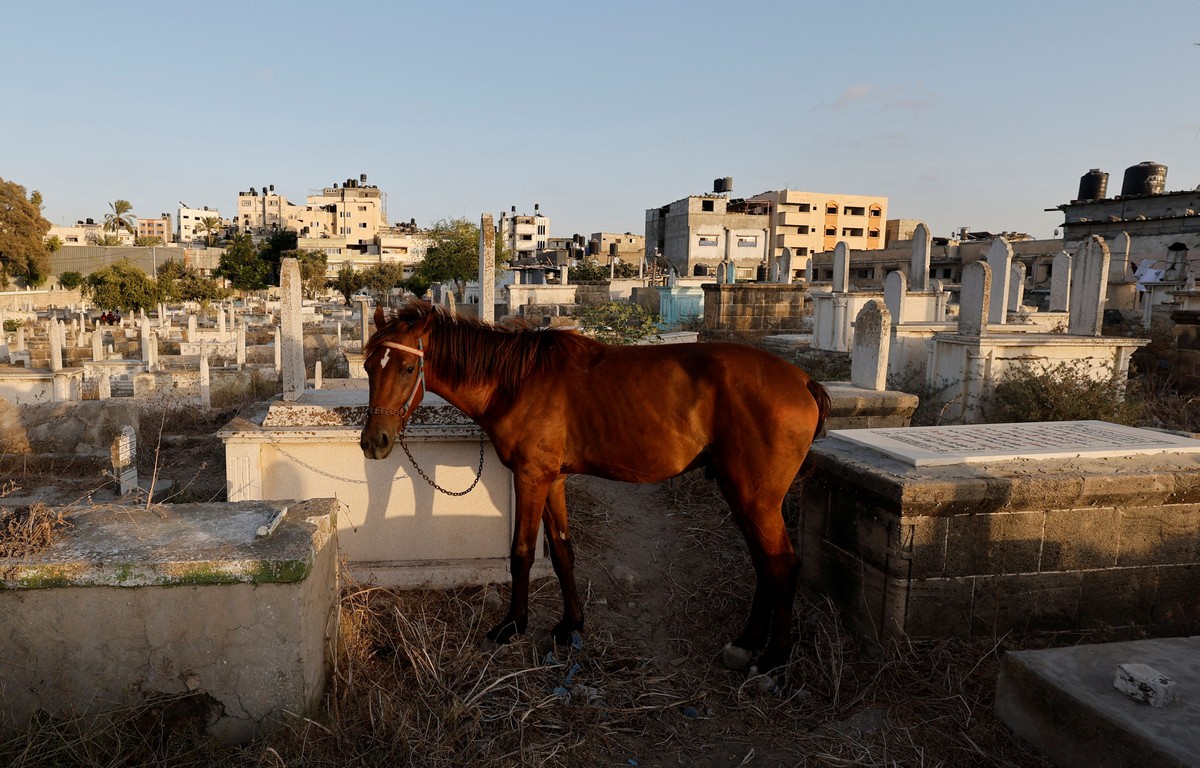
(426, 478)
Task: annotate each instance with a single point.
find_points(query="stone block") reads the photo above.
(939, 607)
(925, 541)
(1176, 604)
(1159, 535)
(1145, 684)
(1048, 601)
(1079, 538)
(1116, 597)
(996, 543)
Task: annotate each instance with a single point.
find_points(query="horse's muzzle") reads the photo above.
(376, 443)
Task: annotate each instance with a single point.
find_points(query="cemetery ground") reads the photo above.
(666, 581)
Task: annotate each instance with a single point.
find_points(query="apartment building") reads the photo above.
(523, 236)
(190, 229)
(354, 212)
(697, 233)
(159, 227)
(812, 222)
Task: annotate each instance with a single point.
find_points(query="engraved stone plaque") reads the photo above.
(976, 443)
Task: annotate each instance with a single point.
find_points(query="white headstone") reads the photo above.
(205, 380)
(278, 348)
(97, 345)
(785, 267)
(55, 333)
(1089, 287)
(809, 275)
(974, 298)
(895, 290)
(999, 260)
(487, 268)
(364, 320)
(1060, 282)
(317, 375)
(104, 386)
(191, 329)
(124, 459)
(144, 337)
(241, 345)
(1016, 287)
(841, 268)
(918, 272)
(872, 335)
(1118, 265)
(292, 322)
(152, 346)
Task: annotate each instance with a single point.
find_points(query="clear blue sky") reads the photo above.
(962, 113)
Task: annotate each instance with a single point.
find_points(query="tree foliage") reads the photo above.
(453, 255)
(120, 216)
(242, 265)
(210, 226)
(348, 281)
(618, 322)
(147, 241)
(178, 282)
(70, 280)
(312, 270)
(121, 286)
(281, 243)
(22, 228)
(1065, 391)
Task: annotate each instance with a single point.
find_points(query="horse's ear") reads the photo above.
(379, 317)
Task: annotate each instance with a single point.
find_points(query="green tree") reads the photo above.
(453, 255)
(147, 241)
(280, 243)
(312, 270)
(121, 286)
(348, 281)
(618, 322)
(179, 282)
(23, 254)
(380, 279)
(107, 239)
(242, 265)
(70, 280)
(54, 244)
(588, 270)
(120, 217)
(210, 226)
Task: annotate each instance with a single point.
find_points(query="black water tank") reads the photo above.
(1144, 179)
(1093, 185)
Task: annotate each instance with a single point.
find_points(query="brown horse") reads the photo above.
(556, 403)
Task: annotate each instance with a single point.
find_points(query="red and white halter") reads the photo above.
(419, 385)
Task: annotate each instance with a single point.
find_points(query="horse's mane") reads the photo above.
(467, 351)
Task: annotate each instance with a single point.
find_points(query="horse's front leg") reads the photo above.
(531, 498)
(562, 555)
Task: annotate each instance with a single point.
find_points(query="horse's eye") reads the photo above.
(409, 369)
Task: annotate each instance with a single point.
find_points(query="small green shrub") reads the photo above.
(70, 280)
(618, 322)
(1065, 391)
(12, 324)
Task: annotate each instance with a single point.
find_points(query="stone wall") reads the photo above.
(754, 306)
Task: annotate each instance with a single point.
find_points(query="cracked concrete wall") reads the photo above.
(256, 649)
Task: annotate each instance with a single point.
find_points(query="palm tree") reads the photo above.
(209, 225)
(120, 218)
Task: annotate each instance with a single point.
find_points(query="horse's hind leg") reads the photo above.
(562, 555)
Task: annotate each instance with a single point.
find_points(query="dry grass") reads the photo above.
(28, 530)
(412, 683)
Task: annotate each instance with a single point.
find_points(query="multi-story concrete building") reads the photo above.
(159, 227)
(523, 236)
(190, 223)
(84, 232)
(628, 247)
(354, 212)
(811, 222)
(697, 233)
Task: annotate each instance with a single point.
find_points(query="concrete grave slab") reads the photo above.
(976, 443)
(1062, 702)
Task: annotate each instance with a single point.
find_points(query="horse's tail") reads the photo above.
(824, 405)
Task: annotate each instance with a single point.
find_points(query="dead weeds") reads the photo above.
(28, 530)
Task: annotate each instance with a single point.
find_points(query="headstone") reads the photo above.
(450, 303)
(973, 299)
(809, 275)
(278, 349)
(895, 290)
(317, 375)
(221, 310)
(241, 346)
(841, 267)
(97, 345)
(1060, 282)
(124, 459)
(1118, 266)
(721, 268)
(205, 380)
(364, 327)
(1089, 287)
(55, 333)
(999, 260)
(918, 272)
(872, 335)
(487, 268)
(144, 337)
(152, 358)
(563, 274)
(1016, 287)
(785, 267)
(339, 334)
(292, 322)
(104, 386)
(191, 329)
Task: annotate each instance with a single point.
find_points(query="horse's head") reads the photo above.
(394, 359)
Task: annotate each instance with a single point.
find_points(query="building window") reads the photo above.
(854, 210)
(708, 240)
(831, 231)
(831, 208)
(802, 251)
(873, 233)
(747, 242)
(362, 207)
(706, 205)
(802, 230)
(876, 213)
(804, 207)
(865, 274)
(362, 225)
(852, 232)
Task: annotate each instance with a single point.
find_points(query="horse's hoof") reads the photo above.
(735, 658)
(765, 682)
